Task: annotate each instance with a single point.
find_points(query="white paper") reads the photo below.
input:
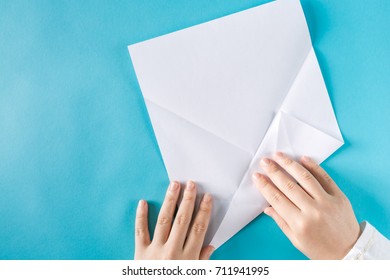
(225, 93)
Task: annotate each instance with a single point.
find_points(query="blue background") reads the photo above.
(77, 149)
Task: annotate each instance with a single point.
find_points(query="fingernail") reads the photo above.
(279, 155)
(260, 179)
(255, 176)
(190, 185)
(207, 197)
(173, 186)
(306, 158)
(141, 203)
(265, 161)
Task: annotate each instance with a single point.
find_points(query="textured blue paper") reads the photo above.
(77, 149)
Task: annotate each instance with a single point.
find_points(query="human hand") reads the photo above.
(308, 207)
(182, 239)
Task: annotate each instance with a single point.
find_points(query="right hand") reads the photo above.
(308, 207)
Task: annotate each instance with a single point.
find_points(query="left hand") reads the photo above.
(183, 239)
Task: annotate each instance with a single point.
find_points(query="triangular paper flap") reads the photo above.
(206, 73)
(309, 100)
(293, 137)
(204, 159)
(308, 140)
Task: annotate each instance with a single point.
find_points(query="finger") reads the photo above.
(206, 252)
(322, 177)
(307, 181)
(199, 227)
(184, 216)
(276, 198)
(165, 217)
(287, 185)
(270, 211)
(142, 237)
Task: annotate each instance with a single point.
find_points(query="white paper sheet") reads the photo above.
(225, 93)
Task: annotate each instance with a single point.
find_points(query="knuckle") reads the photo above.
(199, 228)
(306, 225)
(324, 203)
(264, 181)
(140, 216)
(316, 216)
(170, 198)
(205, 208)
(314, 167)
(273, 168)
(318, 169)
(188, 197)
(275, 197)
(287, 161)
(164, 220)
(290, 185)
(302, 227)
(306, 176)
(312, 164)
(182, 219)
(327, 178)
(139, 232)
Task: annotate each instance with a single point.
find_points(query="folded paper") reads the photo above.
(223, 94)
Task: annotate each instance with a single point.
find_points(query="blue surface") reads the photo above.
(77, 149)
